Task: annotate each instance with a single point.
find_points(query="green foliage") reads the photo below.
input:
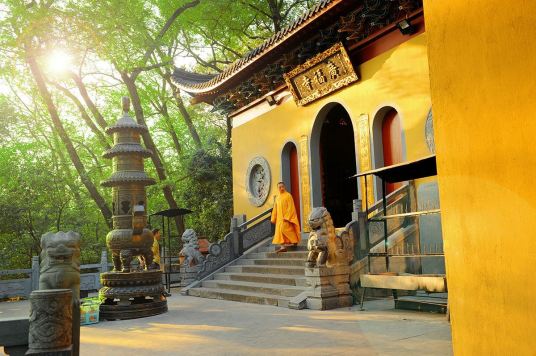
(40, 189)
(208, 191)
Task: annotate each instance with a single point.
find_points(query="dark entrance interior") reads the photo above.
(290, 174)
(338, 162)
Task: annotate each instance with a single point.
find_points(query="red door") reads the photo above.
(392, 143)
(294, 179)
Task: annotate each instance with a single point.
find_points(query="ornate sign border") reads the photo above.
(333, 86)
(254, 199)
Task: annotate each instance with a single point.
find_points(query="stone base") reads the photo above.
(136, 309)
(132, 295)
(189, 274)
(329, 287)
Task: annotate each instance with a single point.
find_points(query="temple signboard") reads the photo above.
(321, 75)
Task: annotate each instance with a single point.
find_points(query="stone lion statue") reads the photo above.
(325, 246)
(190, 249)
(60, 262)
(321, 227)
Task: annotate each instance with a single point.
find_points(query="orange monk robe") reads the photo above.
(287, 226)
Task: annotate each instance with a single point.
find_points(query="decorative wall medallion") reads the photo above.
(429, 131)
(258, 180)
(321, 75)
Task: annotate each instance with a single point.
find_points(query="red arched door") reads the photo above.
(294, 179)
(392, 143)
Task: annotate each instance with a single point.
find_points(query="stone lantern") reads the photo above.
(126, 293)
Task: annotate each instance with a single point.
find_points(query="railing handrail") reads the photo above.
(15, 271)
(266, 212)
(390, 197)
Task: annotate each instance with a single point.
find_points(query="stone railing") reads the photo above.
(397, 203)
(22, 287)
(241, 238)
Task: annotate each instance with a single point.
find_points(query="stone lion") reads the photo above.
(60, 262)
(190, 249)
(324, 245)
(321, 227)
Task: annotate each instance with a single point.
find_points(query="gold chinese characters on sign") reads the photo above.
(321, 75)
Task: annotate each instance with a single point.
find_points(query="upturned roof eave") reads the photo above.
(259, 60)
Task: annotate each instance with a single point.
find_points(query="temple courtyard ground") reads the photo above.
(196, 326)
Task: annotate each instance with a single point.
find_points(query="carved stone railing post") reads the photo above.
(51, 322)
(35, 273)
(237, 244)
(104, 261)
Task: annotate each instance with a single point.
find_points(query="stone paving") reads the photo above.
(197, 326)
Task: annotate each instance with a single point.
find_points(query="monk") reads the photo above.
(287, 226)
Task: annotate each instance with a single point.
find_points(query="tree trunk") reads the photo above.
(228, 140)
(150, 145)
(171, 129)
(98, 133)
(275, 14)
(185, 115)
(58, 126)
(90, 104)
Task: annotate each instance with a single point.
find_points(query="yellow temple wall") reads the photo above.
(483, 87)
(398, 78)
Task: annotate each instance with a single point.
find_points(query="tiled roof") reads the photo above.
(202, 83)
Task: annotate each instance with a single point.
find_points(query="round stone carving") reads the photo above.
(214, 250)
(258, 180)
(429, 131)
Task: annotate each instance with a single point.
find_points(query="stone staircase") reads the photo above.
(261, 276)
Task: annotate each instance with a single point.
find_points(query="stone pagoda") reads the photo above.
(126, 293)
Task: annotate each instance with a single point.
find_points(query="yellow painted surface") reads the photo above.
(397, 78)
(482, 70)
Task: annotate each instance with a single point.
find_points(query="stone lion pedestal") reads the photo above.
(329, 287)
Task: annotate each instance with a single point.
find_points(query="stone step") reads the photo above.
(292, 270)
(264, 278)
(240, 296)
(289, 254)
(273, 289)
(272, 248)
(271, 262)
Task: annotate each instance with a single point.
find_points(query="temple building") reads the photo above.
(348, 88)
(342, 90)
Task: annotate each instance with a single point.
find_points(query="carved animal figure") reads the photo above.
(321, 226)
(324, 245)
(60, 262)
(190, 249)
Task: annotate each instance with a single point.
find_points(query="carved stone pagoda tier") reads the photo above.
(127, 293)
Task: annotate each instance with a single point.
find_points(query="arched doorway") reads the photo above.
(333, 161)
(388, 142)
(290, 173)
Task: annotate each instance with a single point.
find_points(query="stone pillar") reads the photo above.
(51, 322)
(60, 268)
(329, 287)
(35, 273)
